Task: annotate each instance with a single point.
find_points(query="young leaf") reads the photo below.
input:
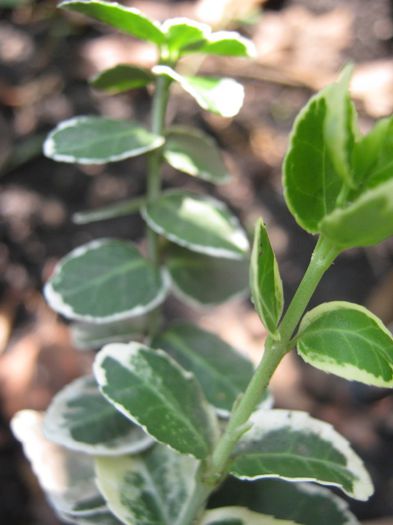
(98, 140)
(152, 390)
(292, 445)
(265, 281)
(239, 516)
(303, 503)
(181, 33)
(197, 222)
(81, 419)
(373, 155)
(222, 372)
(311, 185)
(228, 43)
(112, 211)
(223, 96)
(67, 478)
(349, 341)
(126, 19)
(105, 281)
(195, 153)
(201, 280)
(88, 336)
(340, 127)
(122, 78)
(367, 220)
(151, 488)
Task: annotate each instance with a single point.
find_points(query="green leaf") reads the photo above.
(67, 478)
(195, 153)
(292, 445)
(197, 222)
(222, 372)
(122, 78)
(104, 281)
(201, 280)
(340, 126)
(126, 19)
(133, 377)
(239, 516)
(228, 43)
(120, 209)
(152, 488)
(223, 96)
(265, 281)
(373, 155)
(349, 341)
(101, 518)
(81, 419)
(303, 503)
(311, 185)
(181, 33)
(367, 220)
(97, 140)
(88, 336)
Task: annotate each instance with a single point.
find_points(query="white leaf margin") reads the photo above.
(246, 516)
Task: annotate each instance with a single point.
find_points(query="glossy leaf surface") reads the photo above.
(197, 222)
(195, 153)
(366, 221)
(222, 372)
(223, 96)
(292, 445)
(122, 78)
(311, 185)
(67, 478)
(151, 488)
(201, 280)
(265, 281)
(80, 418)
(104, 281)
(133, 377)
(126, 19)
(98, 140)
(349, 341)
(304, 503)
(239, 516)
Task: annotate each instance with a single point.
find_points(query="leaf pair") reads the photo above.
(335, 183)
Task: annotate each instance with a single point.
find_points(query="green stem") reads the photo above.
(160, 102)
(323, 256)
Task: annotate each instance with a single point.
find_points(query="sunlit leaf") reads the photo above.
(349, 341)
(197, 222)
(228, 43)
(223, 96)
(122, 77)
(80, 418)
(153, 487)
(201, 280)
(367, 220)
(265, 280)
(98, 140)
(126, 19)
(105, 281)
(222, 372)
(195, 153)
(181, 33)
(152, 390)
(294, 446)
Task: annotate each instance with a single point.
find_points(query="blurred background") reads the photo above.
(46, 57)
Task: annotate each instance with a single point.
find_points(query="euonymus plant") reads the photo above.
(177, 422)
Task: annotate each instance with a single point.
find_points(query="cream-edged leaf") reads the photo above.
(197, 222)
(112, 211)
(104, 281)
(239, 516)
(80, 418)
(98, 140)
(292, 445)
(152, 488)
(228, 43)
(152, 390)
(122, 77)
